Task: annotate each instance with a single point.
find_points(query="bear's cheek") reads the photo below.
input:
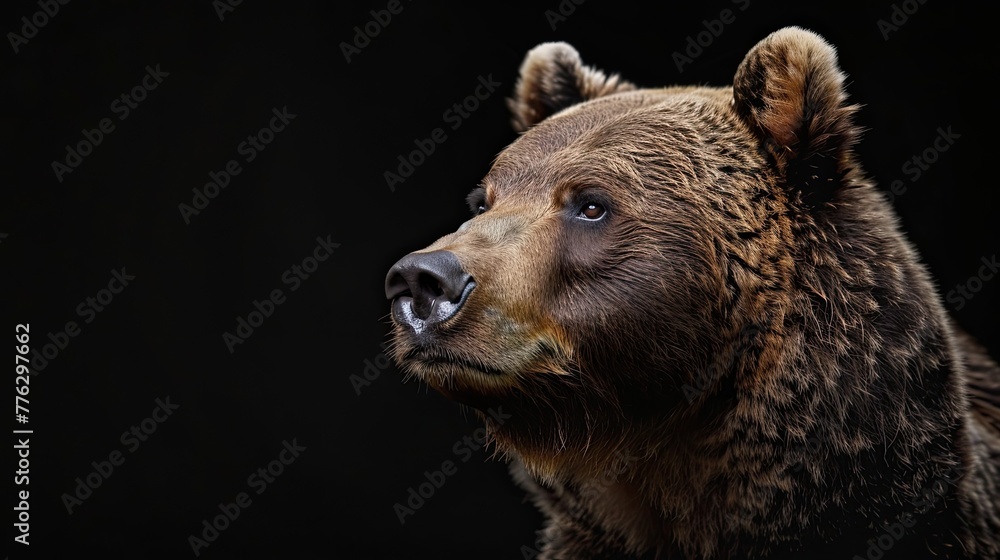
(509, 315)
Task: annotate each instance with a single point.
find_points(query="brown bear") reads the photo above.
(708, 331)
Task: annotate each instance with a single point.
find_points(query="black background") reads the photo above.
(323, 176)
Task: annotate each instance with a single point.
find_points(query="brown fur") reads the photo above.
(744, 358)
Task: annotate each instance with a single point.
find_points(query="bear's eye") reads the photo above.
(477, 201)
(592, 211)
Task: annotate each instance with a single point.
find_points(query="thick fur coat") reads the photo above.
(711, 336)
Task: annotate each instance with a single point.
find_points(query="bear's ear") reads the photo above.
(552, 79)
(790, 91)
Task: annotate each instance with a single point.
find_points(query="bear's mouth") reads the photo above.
(440, 360)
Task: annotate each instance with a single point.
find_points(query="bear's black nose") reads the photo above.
(427, 287)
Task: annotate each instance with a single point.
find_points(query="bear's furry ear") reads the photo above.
(554, 78)
(789, 89)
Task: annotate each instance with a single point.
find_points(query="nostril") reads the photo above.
(430, 285)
